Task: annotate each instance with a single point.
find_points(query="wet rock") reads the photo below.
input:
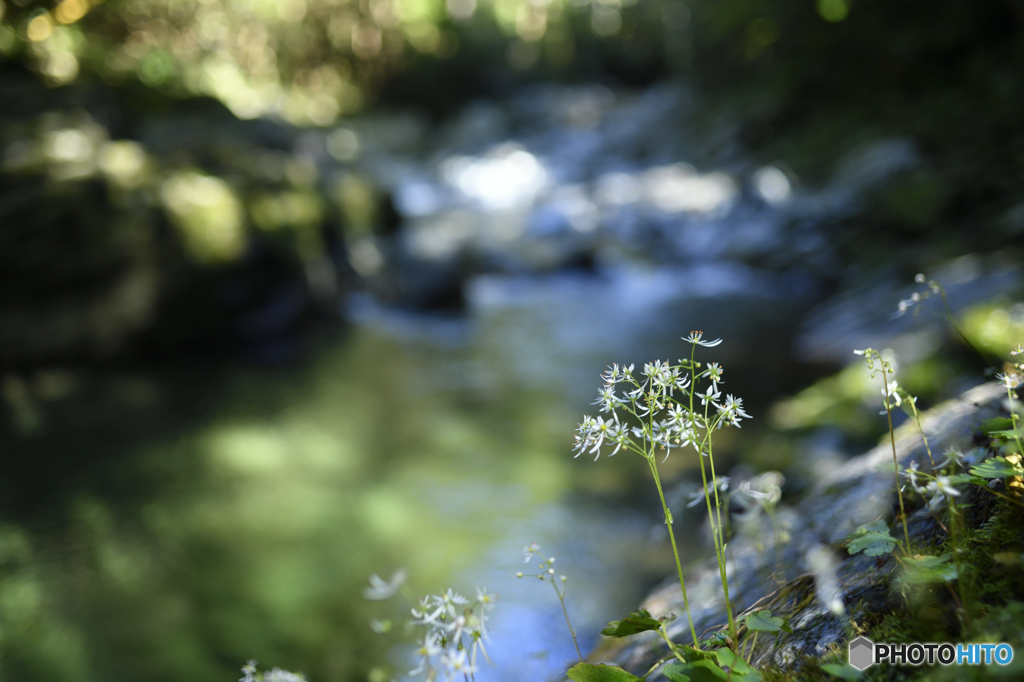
(113, 245)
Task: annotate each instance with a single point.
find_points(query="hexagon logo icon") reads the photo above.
(862, 653)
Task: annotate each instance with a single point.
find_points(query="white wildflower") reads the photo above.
(731, 411)
(711, 395)
(426, 650)
(698, 497)
(695, 338)
(951, 456)
(381, 589)
(911, 474)
(714, 373)
(942, 485)
(456, 664)
(1010, 380)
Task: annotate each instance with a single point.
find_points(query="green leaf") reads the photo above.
(676, 672)
(996, 467)
(996, 424)
(586, 672)
(764, 621)
(843, 671)
(636, 622)
(873, 539)
(704, 670)
(727, 658)
(878, 526)
(740, 669)
(927, 569)
(960, 479)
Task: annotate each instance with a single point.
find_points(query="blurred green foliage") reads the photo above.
(309, 61)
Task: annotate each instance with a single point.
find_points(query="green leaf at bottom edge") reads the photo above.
(587, 672)
(704, 670)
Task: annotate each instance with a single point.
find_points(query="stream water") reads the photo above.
(173, 523)
(170, 523)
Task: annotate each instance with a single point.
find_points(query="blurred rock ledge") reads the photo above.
(132, 224)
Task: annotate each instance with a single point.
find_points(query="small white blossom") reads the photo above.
(695, 338)
(731, 411)
(911, 474)
(607, 399)
(426, 650)
(457, 627)
(714, 373)
(711, 395)
(942, 485)
(890, 392)
(456, 664)
(1010, 380)
(951, 456)
(698, 497)
(486, 599)
(381, 589)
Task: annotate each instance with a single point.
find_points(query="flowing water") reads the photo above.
(173, 523)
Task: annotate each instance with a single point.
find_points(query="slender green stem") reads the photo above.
(672, 536)
(671, 647)
(721, 544)
(716, 527)
(661, 661)
(753, 644)
(956, 534)
(1014, 421)
(952, 320)
(924, 436)
(895, 461)
(561, 600)
(1005, 497)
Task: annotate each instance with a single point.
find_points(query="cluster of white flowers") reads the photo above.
(452, 629)
(454, 636)
(937, 489)
(893, 394)
(547, 574)
(662, 400)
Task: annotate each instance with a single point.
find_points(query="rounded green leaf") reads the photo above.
(764, 621)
